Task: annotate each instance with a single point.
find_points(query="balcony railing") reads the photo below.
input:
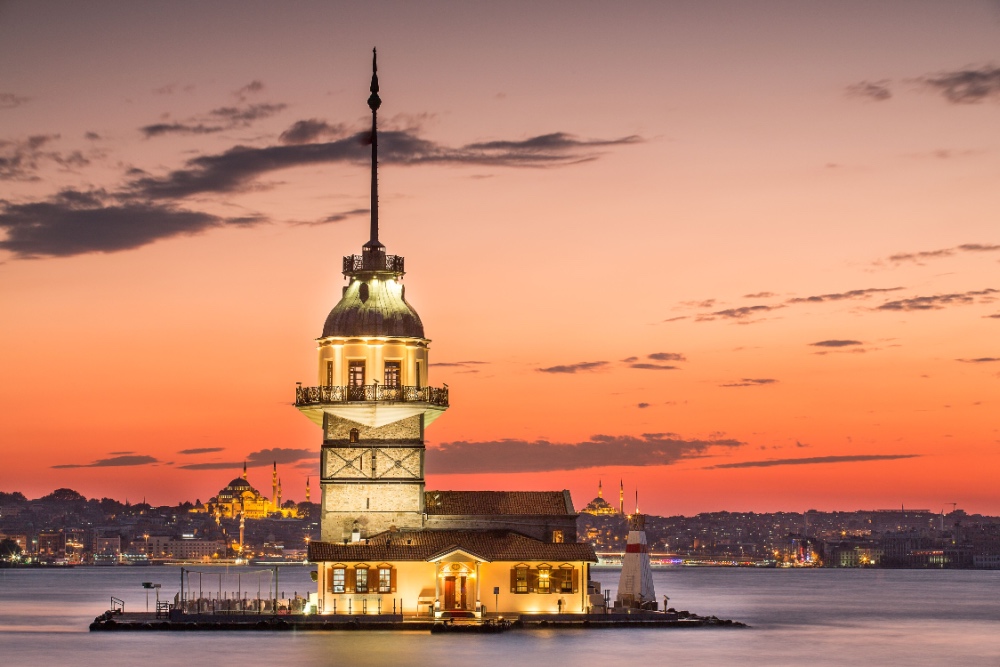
(371, 392)
(375, 261)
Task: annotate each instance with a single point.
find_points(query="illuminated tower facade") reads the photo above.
(372, 398)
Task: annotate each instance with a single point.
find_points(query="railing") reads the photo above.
(375, 261)
(371, 392)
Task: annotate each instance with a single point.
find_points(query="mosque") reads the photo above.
(240, 499)
(384, 536)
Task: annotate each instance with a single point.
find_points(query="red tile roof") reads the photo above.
(498, 502)
(422, 545)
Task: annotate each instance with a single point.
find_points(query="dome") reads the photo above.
(239, 483)
(373, 307)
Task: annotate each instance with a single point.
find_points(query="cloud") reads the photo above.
(842, 296)
(642, 406)
(750, 382)
(517, 456)
(20, 159)
(234, 169)
(873, 91)
(458, 364)
(759, 295)
(965, 86)
(574, 368)
(338, 217)
(836, 343)
(851, 458)
(653, 367)
(12, 101)
(217, 120)
(114, 461)
(308, 131)
(919, 257)
(202, 450)
(251, 88)
(740, 313)
(980, 360)
(91, 136)
(74, 222)
(264, 457)
(939, 301)
(667, 356)
(995, 316)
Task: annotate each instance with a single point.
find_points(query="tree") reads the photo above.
(64, 496)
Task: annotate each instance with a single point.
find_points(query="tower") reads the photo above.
(635, 586)
(372, 400)
(275, 489)
(621, 497)
(308, 494)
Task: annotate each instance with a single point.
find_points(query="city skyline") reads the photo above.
(741, 257)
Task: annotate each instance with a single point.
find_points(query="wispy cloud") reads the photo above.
(923, 255)
(458, 364)
(21, 159)
(516, 456)
(666, 356)
(582, 366)
(12, 101)
(217, 120)
(263, 457)
(873, 91)
(813, 460)
(965, 86)
(836, 343)
(759, 295)
(980, 360)
(201, 450)
(939, 301)
(842, 296)
(751, 382)
(113, 462)
(642, 406)
(741, 313)
(337, 217)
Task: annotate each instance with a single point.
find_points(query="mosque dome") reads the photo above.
(373, 305)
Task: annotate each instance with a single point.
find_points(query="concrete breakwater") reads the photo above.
(133, 622)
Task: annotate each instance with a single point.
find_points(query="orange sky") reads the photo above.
(743, 257)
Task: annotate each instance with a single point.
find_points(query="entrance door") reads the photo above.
(449, 593)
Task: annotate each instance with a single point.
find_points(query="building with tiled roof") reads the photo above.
(384, 539)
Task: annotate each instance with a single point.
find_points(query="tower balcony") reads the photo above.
(307, 396)
(371, 404)
(373, 261)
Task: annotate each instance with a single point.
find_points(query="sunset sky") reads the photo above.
(743, 256)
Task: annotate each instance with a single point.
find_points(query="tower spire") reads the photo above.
(374, 102)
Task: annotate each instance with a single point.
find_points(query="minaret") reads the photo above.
(244, 469)
(621, 497)
(275, 488)
(308, 496)
(372, 400)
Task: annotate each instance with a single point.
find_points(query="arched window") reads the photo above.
(355, 435)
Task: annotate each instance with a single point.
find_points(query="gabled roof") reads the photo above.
(498, 502)
(423, 545)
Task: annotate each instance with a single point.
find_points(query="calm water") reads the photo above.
(799, 617)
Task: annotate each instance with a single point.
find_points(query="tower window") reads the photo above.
(363, 292)
(356, 373)
(416, 382)
(329, 374)
(392, 374)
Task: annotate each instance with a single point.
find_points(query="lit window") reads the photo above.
(384, 580)
(521, 579)
(339, 575)
(544, 580)
(361, 580)
(392, 374)
(355, 435)
(356, 373)
(566, 585)
(557, 536)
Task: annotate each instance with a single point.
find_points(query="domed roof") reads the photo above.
(373, 307)
(239, 483)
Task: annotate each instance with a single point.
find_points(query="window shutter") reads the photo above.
(329, 580)
(392, 580)
(576, 580)
(513, 580)
(533, 580)
(350, 579)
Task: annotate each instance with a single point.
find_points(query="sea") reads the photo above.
(800, 617)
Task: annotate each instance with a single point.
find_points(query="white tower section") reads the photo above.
(635, 588)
